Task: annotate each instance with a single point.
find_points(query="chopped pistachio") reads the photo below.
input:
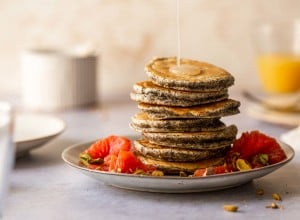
(209, 171)
(86, 159)
(260, 192)
(139, 172)
(263, 159)
(182, 174)
(242, 165)
(157, 173)
(273, 205)
(230, 208)
(276, 196)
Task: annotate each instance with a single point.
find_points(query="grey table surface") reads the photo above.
(44, 187)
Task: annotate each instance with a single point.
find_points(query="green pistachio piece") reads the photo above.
(263, 159)
(139, 172)
(86, 159)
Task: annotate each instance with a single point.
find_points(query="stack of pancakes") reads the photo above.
(179, 118)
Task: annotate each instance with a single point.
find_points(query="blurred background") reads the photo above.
(128, 33)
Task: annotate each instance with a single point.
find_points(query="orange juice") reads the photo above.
(280, 73)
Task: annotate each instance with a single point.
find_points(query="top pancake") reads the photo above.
(209, 77)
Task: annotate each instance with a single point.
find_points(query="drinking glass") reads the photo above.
(277, 47)
(7, 150)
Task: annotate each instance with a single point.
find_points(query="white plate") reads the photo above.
(34, 130)
(292, 137)
(170, 184)
(271, 116)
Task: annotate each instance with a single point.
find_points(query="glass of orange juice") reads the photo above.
(278, 57)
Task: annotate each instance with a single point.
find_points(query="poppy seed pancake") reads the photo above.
(141, 122)
(176, 167)
(211, 110)
(197, 140)
(209, 78)
(148, 92)
(166, 153)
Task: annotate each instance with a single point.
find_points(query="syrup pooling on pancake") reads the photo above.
(189, 69)
(186, 69)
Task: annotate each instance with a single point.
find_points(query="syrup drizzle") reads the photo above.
(178, 33)
(184, 69)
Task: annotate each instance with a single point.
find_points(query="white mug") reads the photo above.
(56, 80)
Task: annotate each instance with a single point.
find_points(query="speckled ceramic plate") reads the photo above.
(35, 130)
(171, 184)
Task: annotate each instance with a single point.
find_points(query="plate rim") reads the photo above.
(50, 135)
(259, 112)
(285, 146)
(25, 145)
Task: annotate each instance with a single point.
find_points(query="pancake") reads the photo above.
(195, 140)
(208, 78)
(218, 109)
(141, 122)
(165, 153)
(176, 167)
(180, 111)
(148, 92)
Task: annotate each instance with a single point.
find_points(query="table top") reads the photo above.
(44, 187)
